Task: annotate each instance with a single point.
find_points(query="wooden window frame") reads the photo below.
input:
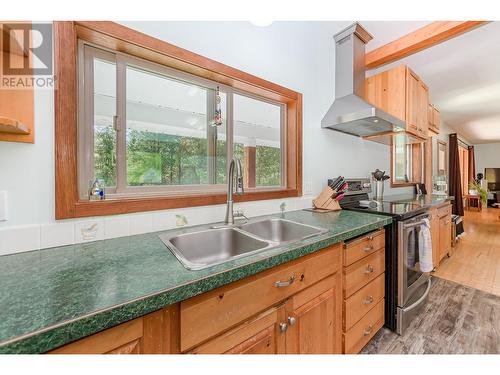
(417, 149)
(110, 35)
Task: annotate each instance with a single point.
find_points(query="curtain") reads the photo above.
(472, 165)
(455, 183)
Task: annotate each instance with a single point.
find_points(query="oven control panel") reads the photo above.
(358, 186)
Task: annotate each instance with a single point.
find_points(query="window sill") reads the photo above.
(85, 208)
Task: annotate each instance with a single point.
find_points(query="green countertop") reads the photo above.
(54, 296)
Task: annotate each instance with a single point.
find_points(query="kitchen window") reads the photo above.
(146, 129)
(138, 114)
(407, 162)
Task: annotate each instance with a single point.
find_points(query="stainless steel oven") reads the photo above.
(413, 284)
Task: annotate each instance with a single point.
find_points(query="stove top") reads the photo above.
(394, 209)
(357, 192)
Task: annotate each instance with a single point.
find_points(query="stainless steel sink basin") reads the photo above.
(209, 247)
(281, 230)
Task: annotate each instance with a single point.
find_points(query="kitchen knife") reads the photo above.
(339, 197)
(339, 183)
(335, 182)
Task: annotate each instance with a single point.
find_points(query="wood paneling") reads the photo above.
(123, 39)
(416, 41)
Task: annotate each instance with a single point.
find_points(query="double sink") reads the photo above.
(206, 248)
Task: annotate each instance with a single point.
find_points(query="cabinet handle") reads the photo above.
(292, 320)
(368, 300)
(368, 330)
(370, 238)
(281, 284)
(369, 269)
(446, 222)
(283, 327)
(368, 248)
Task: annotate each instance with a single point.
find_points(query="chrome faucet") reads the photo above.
(230, 214)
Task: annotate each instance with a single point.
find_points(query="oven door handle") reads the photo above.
(416, 224)
(419, 301)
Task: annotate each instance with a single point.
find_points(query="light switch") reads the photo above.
(3, 205)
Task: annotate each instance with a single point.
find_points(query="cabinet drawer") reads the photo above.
(443, 211)
(359, 274)
(213, 312)
(359, 335)
(364, 246)
(356, 306)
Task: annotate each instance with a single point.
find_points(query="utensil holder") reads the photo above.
(379, 190)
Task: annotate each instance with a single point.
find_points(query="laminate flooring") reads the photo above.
(456, 320)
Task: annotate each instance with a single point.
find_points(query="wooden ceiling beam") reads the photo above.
(418, 40)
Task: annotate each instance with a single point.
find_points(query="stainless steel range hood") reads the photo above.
(350, 113)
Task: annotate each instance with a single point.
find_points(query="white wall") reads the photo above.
(487, 156)
(297, 55)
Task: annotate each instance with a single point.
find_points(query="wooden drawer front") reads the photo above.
(363, 300)
(126, 338)
(443, 211)
(362, 247)
(359, 335)
(213, 312)
(260, 335)
(359, 274)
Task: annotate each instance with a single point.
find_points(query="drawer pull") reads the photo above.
(370, 238)
(368, 248)
(282, 284)
(368, 300)
(283, 327)
(369, 269)
(368, 330)
(292, 320)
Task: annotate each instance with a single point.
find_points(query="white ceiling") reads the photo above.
(463, 75)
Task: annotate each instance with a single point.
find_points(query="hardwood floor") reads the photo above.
(456, 320)
(475, 261)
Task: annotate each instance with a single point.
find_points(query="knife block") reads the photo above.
(324, 201)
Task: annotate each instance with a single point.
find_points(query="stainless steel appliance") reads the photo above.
(350, 113)
(413, 284)
(406, 287)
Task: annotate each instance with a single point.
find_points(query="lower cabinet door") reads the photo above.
(314, 319)
(264, 334)
(444, 236)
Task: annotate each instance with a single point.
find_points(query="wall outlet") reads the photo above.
(3, 206)
(308, 187)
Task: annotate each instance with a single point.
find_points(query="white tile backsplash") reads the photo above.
(141, 223)
(57, 234)
(32, 237)
(89, 230)
(117, 226)
(19, 239)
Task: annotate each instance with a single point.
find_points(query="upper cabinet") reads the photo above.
(434, 120)
(400, 92)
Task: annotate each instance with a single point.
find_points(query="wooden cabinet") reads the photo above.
(400, 92)
(441, 227)
(155, 333)
(363, 290)
(434, 120)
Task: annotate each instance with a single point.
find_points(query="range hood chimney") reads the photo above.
(350, 113)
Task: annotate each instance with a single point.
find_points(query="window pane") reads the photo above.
(104, 132)
(169, 141)
(401, 154)
(257, 140)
